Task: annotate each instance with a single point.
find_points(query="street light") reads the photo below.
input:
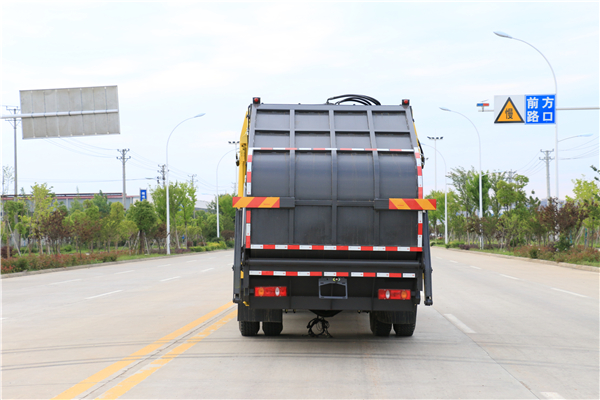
(218, 227)
(167, 166)
(445, 195)
(435, 139)
(507, 36)
(480, 173)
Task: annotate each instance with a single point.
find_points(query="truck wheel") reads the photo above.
(249, 328)
(272, 328)
(379, 328)
(404, 329)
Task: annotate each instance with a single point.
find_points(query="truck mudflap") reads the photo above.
(237, 256)
(427, 270)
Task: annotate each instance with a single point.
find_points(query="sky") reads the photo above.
(174, 60)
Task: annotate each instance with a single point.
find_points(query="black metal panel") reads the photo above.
(355, 225)
(313, 225)
(272, 120)
(271, 139)
(398, 227)
(270, 174)
(353, 140)
(313, 175)
(270, 226)
(393, 140)
(351, 121)
(390, 121)
(312, 120)
(397, 172)
(355, 176)
(313, 140)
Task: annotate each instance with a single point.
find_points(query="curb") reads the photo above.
(102, 264)
(556, 264)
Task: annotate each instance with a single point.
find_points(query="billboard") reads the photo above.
(89, 111)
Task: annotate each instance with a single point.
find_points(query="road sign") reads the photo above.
(88, 111)
(143, 194)
(540, 109)
(509, 109)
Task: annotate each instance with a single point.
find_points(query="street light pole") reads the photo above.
(445, 196)
(435, 139)
(507, 36)
(167, 183)
(480, 172)
(218, 227)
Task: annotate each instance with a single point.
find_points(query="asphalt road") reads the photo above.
(165, 328)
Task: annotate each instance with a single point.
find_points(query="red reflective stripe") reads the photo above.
(293, 247)
(291, 273)
(319, 148)
(266, 148)
(291, 148)
(276, 205)
(249, 177)
(395, 275)
(419, 249)
(412, 204)
(247, 241)
(256, 202)
(269, 246)
(370, 149)
(420, 229)
(341, 274)
(388, 248)
(366, 248)
(342, 248)
(369, 274)
(420, 192)
(247, 216)
(346, 149)
(270, 273)
(317, 247)
(316, 273)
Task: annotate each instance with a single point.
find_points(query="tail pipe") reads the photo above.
(237, 256)
(427, 262)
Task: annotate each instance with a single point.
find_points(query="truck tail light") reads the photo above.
(270, 291)
(394, 294)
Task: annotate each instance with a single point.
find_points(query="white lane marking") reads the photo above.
(166, 265)
(458, 323)
(124, 272)
(207, 269)
(511, 277)
(103, 294)
(551, 395)
(191, 261)
(566, 291)
(58, 283)
(168, 279)
(439, 258)
(452, 261)
(474, 267)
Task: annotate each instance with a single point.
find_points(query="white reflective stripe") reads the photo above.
(279, 273)
(420, 241)
(357, 274)
(248, 189)
(329, 273)
(255, 272)
(330, 247)
(378, 248)
(249, 167)
(383, 274)
(408, 275)
(383, 149)
(358, 149)
(305, 148)
(281, 247)
(251, 150)
(305, 247)
(420, 217)
(247, 229)
(256, 246)
(420, 181)
(303, 273)
(354, 248)
(278, 148)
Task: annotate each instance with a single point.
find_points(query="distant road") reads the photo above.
(165, 328)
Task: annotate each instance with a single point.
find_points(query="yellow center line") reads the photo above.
(129, 383)
(98, 377)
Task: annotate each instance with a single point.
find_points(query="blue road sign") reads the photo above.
(540, 109)
(143, 194)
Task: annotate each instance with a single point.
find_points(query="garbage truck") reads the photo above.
(330, 215)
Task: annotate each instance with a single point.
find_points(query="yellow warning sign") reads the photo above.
(509, 114)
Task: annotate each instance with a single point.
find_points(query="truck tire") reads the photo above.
(249, 328)
(379, 328)
(272, 328)
(404, 329)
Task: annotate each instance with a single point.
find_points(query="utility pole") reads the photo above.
(14, 122)
(161, 171)
(124, 160)
(194, 189)
(435, 139)
(547, 159)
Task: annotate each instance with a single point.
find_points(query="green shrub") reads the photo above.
(534, 252)
(67, 249)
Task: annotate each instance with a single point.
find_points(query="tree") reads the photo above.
(144, 216)
(187, 206)
(41, 198)
(436, 216)
(113, 220)
(587, 195)
(55, 229)
(100, 200)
